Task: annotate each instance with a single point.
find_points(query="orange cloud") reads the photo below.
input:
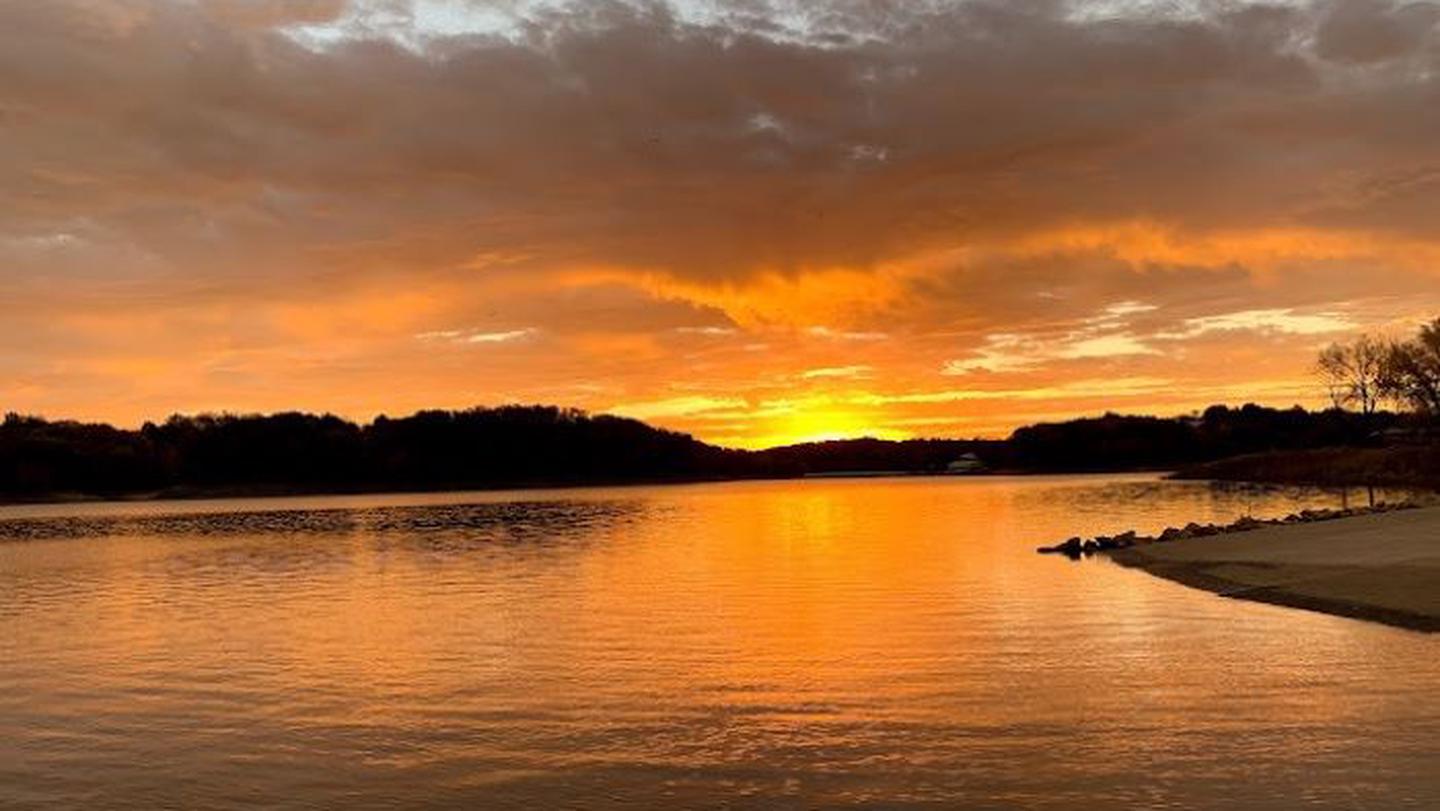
(768, 221)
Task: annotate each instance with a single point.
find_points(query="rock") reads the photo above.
(1070, 548)
(1124, 540)
(1076, 547)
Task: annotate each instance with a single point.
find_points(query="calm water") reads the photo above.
(873, 643)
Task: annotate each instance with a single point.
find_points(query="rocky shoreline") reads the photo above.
(1077, 547)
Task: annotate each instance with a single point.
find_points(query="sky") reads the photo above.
(758, 221)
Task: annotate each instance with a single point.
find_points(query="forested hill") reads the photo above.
(542, 445)
(1116, 442)
(431, 449)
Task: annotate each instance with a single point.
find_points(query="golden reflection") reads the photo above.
(814, 627)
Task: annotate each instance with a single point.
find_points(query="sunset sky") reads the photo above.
(755, 221)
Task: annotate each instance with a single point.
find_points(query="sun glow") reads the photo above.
(821, 424)
(380, 207)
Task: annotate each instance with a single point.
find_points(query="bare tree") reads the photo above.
(1412, 370)
(1356, 373)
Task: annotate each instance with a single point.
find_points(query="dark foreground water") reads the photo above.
(872, 643)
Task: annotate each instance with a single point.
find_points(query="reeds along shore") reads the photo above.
(1415, 466)
(1076, 547)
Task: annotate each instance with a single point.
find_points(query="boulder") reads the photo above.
(1071, 548)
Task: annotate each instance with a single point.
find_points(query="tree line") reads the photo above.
(1371, 371)
(545, 445)
(431, 449)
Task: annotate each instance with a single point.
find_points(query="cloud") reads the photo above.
(1002, 352)
(470, 336)
(1007, 353)
(679, 407)
(1124, 308)
(1119, 387)
(499, 337)
(266, 202)
(845, 335)
(1106, 346)
(273, 13)
(625, 134)
(1371, 31)
(1279, 320)
(1103, 335)
(859, 370)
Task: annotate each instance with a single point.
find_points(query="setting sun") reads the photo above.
(673, 405)
(816, 422)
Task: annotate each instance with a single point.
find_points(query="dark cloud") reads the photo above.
(1370, 31)
(272, 13)
(596, 168)
(619, 133)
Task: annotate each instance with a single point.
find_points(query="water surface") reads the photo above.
(881, 643)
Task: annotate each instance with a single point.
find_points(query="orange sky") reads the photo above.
(755, 221)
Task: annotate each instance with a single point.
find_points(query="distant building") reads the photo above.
(967, 463)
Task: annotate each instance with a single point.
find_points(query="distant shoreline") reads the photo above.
(522, 446)
(199, 493)
(203, 492)
(196, 493)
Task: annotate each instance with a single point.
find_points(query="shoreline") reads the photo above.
(1378, 567)
(202, 492)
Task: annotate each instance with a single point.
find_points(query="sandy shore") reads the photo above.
(1384, 568)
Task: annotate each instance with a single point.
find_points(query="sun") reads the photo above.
(818, 424)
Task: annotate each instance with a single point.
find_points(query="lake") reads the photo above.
(869, 643)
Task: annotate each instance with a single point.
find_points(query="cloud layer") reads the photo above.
(752, 219)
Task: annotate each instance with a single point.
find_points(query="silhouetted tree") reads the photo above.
(1412, 370)
(1356, 373)
(537, 445)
